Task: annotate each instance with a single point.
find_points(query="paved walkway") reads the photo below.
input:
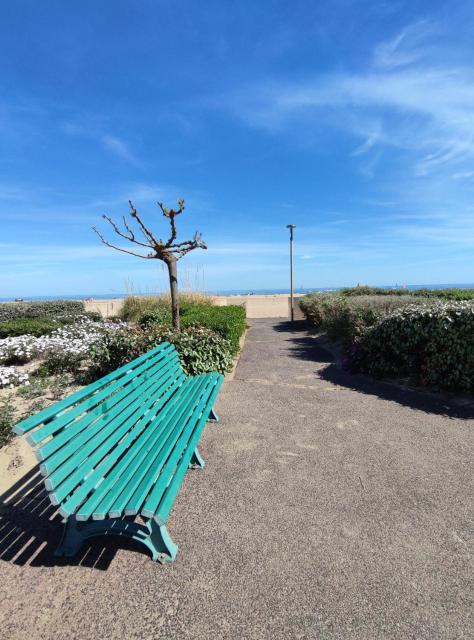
(330, 507)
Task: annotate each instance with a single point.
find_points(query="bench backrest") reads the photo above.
(94, 419)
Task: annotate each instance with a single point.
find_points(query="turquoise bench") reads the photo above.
(120, 448)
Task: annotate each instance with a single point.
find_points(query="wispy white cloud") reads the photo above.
(118, 147)
(408, 46)
(404, 99)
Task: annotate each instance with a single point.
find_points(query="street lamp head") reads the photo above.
(291, 226)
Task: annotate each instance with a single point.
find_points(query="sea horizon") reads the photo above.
(231, 292)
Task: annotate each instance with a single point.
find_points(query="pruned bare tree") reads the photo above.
(168, 251)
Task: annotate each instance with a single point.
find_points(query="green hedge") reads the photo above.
(365, 290)
(228, 322)
(346, 319)
(45, 309)
(446, 294)
(443, 294)
(136, 307)
(32, 326)
(200, 350)
(431, 344)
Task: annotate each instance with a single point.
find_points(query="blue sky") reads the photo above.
(352, 119)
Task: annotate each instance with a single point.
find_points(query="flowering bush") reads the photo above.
(66, 348)
(17, 350)
(10, 377)
(63, 349)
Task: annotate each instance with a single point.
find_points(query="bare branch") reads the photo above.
(130, 231)
(171, 214)
(148, 234)
(130, 237)
(113, 246)
(185, 247)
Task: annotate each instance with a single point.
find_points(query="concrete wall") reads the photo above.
(258, 306)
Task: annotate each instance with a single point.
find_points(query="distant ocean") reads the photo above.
(235, 292)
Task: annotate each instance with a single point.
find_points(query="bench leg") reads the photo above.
(71, 540)
(196, 461)
(213, 417)
(162, 547)
(155, 537)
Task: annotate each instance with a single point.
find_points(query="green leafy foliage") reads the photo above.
(431, 344)
(442, 294)
(46, 309)
(31, 326)
(116, 349)
(347, 318)
(228, 322)
(95, 316)
(364, 290)
(7, 420)
(134, 307)
(160, 315)
(200, 350)
(195, 311)
(446, 294)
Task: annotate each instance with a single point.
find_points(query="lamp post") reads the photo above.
(292, 312)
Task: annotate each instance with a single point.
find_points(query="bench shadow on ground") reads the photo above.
(308, 346)
(31, 528)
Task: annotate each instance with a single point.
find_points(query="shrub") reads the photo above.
(155, 316)
(134, 307)
(30, 326)
(114, 350)
(67, 348)
(18, 350)
(364, 290)
(228, 322)
(431, 344)
(200, 350)
(347, 318)
(10, 377)
(444, 294)
(7, 420)
(45, 309)
(95, 316)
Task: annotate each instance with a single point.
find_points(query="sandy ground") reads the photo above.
(330, 507)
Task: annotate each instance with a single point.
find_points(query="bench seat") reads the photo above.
(120, 448)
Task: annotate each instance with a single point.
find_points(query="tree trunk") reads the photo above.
(171, 263)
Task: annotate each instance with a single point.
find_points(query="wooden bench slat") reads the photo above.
(97, 504)
(91, 453)
(167, 501)
(155, 462)
(72, 429)
(176, 448)
(51, 411)
(79, 447)
(116, 501)
(98, 474)
(78, 433)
